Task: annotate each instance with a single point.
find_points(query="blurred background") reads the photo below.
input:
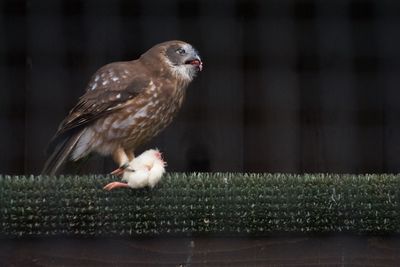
(288, 86)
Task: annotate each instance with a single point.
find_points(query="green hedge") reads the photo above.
(200, 204)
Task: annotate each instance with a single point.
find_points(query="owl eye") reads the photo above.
(181, 51)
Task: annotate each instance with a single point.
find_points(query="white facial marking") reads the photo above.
(183, 72)
(118, 96)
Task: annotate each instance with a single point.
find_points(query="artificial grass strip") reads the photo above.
(200, 204)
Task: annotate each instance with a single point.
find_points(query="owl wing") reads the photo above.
(105, 94)
(108, 91)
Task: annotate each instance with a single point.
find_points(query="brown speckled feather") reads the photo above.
(96, 104)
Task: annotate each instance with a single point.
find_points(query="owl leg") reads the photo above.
(130, 155)
(122, 158)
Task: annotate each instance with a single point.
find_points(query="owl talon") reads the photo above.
(120, 171)
(114, 185)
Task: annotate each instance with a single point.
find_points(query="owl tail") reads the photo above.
(60, 149)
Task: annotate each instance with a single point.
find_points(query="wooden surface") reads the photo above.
(277, 251)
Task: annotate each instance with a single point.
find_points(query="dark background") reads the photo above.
(288, 86)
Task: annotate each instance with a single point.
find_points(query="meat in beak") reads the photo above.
(195, 62)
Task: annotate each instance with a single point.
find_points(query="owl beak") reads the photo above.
(196, 61)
